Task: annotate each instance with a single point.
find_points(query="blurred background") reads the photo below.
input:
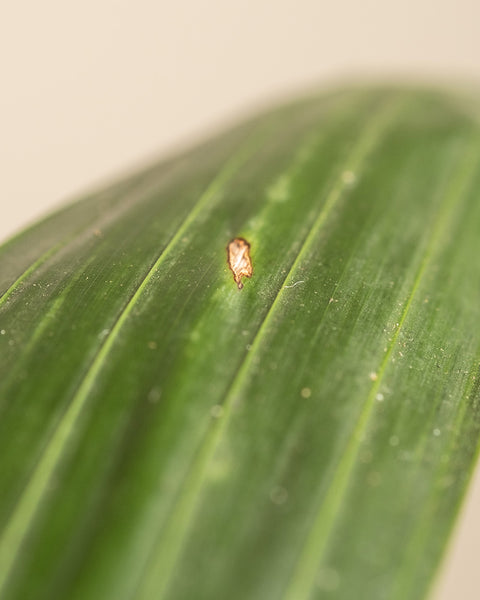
(90, 89)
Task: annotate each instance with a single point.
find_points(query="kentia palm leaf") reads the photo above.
(166, 435)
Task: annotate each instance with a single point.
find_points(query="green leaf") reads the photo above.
(165, 435)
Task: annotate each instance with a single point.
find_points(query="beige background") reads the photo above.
(91, 87)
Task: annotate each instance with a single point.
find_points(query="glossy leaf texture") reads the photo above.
(166, 435)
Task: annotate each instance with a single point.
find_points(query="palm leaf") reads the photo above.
(165, 435)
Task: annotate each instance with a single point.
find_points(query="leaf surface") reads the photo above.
(165, 435)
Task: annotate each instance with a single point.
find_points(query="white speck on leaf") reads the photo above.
(154, 395)
(216, 411)
(349, 177)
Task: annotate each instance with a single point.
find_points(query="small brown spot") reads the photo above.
(239, 260)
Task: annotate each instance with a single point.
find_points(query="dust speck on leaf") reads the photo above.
(216, 411)
(349, 177)
(154, 395)
(279, 495)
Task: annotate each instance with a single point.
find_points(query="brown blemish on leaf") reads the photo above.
(239, 260)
